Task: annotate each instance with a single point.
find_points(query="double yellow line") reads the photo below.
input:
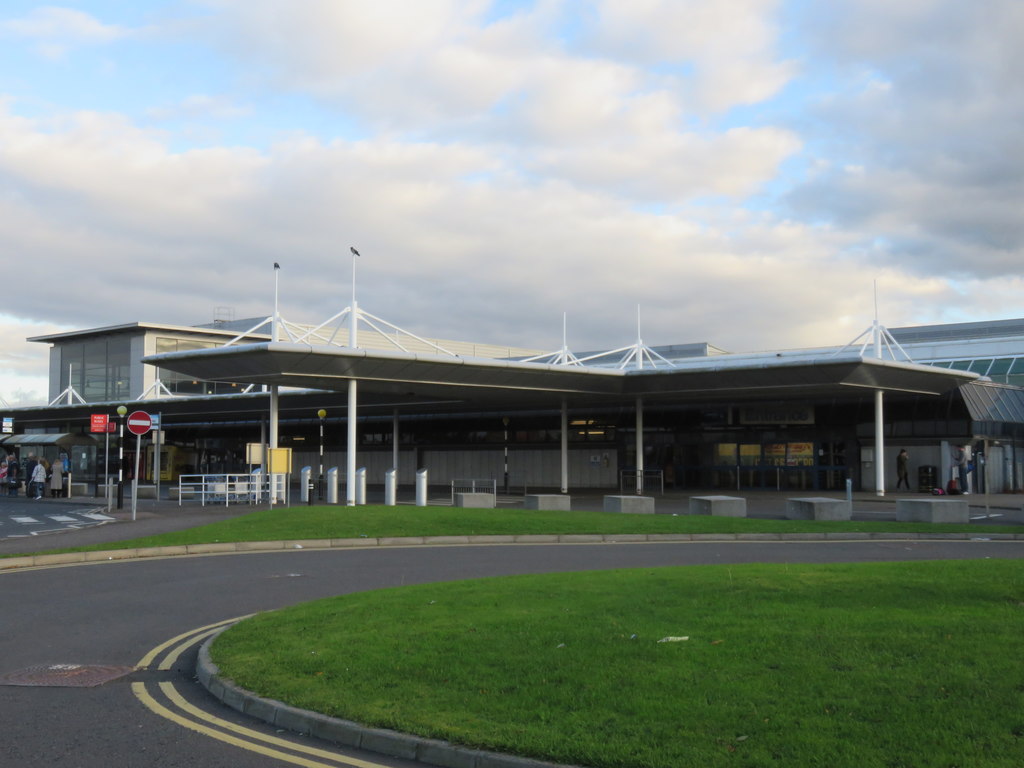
(165, 700)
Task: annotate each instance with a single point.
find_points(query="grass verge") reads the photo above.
(894, 664)
(296, 523)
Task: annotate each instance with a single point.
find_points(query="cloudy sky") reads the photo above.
(744, 171)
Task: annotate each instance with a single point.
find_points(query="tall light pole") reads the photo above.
(121, 411)
(320, 478)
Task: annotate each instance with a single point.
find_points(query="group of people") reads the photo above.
(38, 476)
(963, 465)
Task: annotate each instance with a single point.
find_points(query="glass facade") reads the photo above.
(97, 369)
(1002, 370)
(180, 384)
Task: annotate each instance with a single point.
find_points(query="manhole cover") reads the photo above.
(65, 676)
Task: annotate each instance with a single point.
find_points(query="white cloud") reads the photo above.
(730, 45)
(57, 29)
(199, 106)
(456, 243)
(23, 364)
(930, 115)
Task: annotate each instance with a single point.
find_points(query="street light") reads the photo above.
(121, 411)
(320, 478)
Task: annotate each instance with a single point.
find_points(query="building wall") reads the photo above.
(529, 468)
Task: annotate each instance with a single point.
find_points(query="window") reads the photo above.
(98, 369)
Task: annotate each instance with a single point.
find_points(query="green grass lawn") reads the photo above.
(893, 664)
(296, 523)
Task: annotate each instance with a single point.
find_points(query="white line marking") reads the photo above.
(96, 516)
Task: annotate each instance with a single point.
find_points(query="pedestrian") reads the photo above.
(960, 469)
(30, 468)
(13, 476)
(38, 479)
(901, 469)
(968, 473)
(56, 483)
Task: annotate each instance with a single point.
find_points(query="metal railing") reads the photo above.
(223, 489)
(647, 481)
(470, 485)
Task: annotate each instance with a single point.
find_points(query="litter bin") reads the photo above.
(926, 477)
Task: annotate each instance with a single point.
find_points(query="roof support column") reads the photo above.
(565, 445)
(639, 446)
(879, 446)
(275, 412)
(350, 454)
(394, 441)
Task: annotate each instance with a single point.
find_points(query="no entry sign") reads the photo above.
(139, 422)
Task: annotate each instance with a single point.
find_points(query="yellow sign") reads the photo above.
(280, 461)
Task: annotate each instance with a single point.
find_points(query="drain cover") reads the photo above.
(65, 676)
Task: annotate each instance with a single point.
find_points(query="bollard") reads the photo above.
(391, 487)
(361, 485)
(849, 490)
(305, 482)
(421, 488)
(332, 485)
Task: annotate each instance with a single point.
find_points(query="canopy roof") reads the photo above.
(803, 374)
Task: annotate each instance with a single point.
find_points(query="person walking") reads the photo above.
(38, 479)
(56, 483)
(901, 469)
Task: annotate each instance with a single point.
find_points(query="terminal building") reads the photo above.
(689, 416)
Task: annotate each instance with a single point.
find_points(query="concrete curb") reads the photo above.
(347, 733)
(241, 547)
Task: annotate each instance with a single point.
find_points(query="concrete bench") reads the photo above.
(475, 500)
(932, 511)
(553, 501)
(632, 505)
(79, 489)
(722, 506)
(818, 508)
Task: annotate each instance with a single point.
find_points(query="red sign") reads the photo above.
(139, 422)
(99, 422)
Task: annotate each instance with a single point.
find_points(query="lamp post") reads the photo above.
(121, 411)
(320, 477)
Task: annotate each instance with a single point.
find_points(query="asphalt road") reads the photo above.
(115, 613)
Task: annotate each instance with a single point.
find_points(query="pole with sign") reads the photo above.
(139, 423)
(99, 422)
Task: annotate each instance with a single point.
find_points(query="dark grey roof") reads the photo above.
(987, 401)
(476, 379)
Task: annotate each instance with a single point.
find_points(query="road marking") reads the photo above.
(181, 712)
(178, 700)
(139, 689)
(26, 520)
(63, 519)
(96, 516)
(147, 660)
(172, 657)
